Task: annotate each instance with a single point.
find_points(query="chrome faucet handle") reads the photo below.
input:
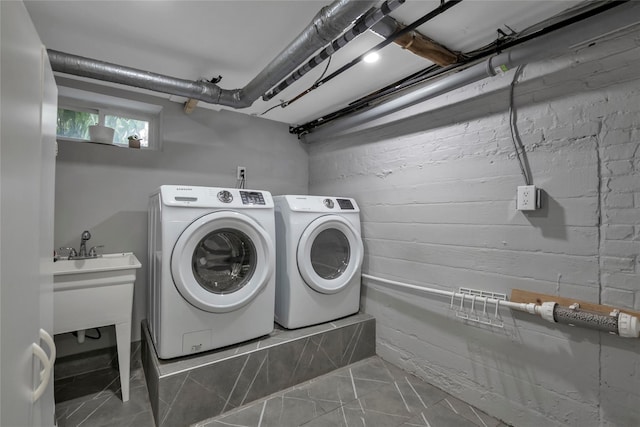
(72, 252)
(83, 243)
(93, 251)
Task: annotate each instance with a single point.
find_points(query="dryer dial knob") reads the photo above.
(225, 196)
(328, 203)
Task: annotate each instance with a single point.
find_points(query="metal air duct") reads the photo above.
(364, 23)
(329, 23)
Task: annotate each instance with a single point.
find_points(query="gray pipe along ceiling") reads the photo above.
(328, 24)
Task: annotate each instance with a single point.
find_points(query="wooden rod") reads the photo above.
(190, 105)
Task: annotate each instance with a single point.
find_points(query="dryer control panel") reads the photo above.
(320, 204)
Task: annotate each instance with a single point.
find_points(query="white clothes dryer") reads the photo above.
(212, 268)
(319, 259)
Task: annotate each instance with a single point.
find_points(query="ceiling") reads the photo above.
(237, 39)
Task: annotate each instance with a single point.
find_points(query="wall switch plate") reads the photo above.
(528, 198)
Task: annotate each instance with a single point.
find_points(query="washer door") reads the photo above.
(222, 261)
(330, 252)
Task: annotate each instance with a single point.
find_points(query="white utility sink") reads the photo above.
(94, 292)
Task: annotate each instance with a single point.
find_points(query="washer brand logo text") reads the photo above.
(184, 189)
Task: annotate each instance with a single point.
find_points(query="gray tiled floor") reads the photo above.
(367, 393)
(93, 399)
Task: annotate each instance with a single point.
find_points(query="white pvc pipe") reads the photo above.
(527, 308)
(628, 325)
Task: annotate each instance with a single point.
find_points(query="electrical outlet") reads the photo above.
(528, 198)
(241, 173)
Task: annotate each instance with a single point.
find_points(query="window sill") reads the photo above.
(84, 141)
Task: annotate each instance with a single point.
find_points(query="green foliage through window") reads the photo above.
(126, 127)
(75, 124)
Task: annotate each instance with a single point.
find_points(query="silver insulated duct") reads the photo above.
(364, 23)
(328, 24)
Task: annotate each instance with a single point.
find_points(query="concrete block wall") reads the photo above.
(437, 191)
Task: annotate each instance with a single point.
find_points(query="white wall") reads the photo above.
(437, 192)
(105, 189)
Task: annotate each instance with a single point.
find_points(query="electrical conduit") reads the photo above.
(545, 46)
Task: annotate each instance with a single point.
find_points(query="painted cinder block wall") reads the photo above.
(106, 189)
(437, 190)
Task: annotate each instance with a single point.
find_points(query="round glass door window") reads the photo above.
(330, 254)
(224, 261)
(221, 261)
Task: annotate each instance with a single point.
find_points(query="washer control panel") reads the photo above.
(345, 204)
(214, 197)
(252, 198)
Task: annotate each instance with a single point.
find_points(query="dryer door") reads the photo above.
(222, 261)
(330, 253)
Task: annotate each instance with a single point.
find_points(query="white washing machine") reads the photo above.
(212, 268)
(319, 259)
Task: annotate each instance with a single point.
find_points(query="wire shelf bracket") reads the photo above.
(473, 306)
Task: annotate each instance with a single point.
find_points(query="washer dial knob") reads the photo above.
(225, 196)
(328, 203)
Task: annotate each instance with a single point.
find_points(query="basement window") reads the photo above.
(74, 123)
(78, 110)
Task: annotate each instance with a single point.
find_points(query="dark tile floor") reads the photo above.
(371, 393)
(93, 398)
(368, 393)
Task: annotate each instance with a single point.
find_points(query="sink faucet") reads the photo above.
(83, 243)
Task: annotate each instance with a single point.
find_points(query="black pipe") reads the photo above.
(440, 9)
(404, 83)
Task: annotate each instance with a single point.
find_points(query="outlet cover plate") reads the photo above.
(528, 198)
